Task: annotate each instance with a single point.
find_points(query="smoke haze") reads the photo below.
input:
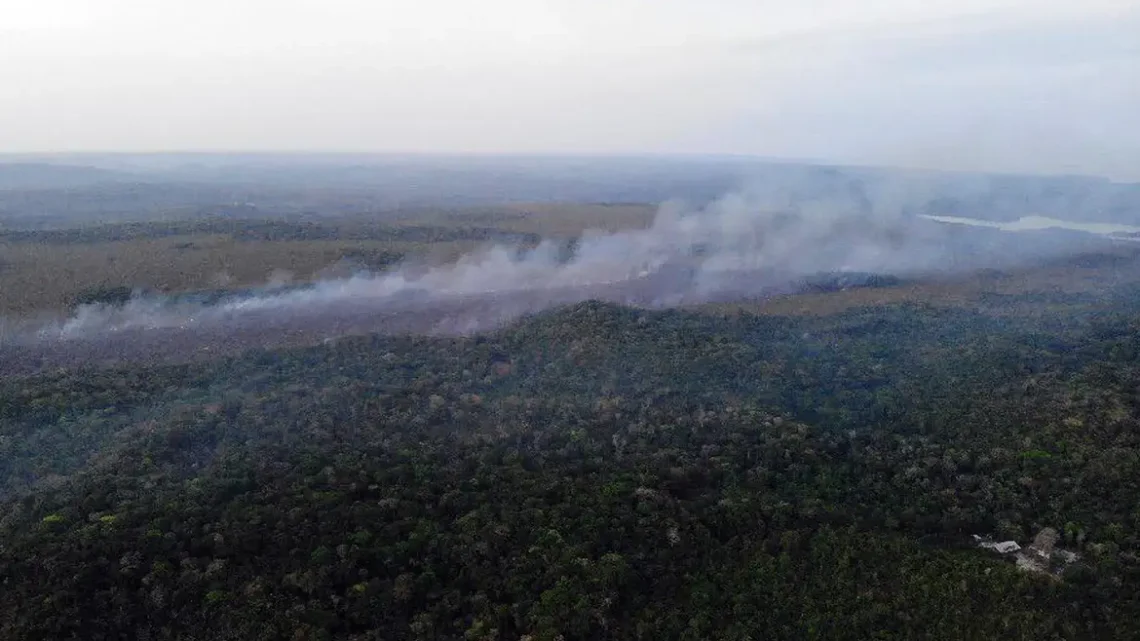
(990, 85)
(753, 243)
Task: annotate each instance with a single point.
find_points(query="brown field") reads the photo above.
(46, 277)
(554, 220)
(38, 277)
(967, 290)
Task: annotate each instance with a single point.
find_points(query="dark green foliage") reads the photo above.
(596, 472)
(253, 229)
(117, 296)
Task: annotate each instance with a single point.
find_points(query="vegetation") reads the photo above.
(593, 472)
(103, 296)
(53, 269)
(810, 467)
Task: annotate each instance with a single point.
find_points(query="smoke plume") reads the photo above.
(748, 244)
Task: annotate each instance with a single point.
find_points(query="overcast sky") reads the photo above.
(1025, 85)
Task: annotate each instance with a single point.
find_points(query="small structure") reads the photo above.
(1003, 547)
(1038, 557)
(1044, 543)
(1041, 556)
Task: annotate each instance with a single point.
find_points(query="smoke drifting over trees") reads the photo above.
(750, 243)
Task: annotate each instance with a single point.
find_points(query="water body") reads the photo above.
(1038, 223)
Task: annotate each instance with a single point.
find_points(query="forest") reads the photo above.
(593, 472)
(872, 454)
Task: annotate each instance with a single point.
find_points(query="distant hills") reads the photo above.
(390, 181)
(42, 175)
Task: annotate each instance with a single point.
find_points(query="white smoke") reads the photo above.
(739, 245)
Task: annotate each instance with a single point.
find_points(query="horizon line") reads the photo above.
(594, 155)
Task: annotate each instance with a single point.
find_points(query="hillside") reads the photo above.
(592, 472)
(42, 175)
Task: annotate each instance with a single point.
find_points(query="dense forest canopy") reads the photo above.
(940, 443)
(595, 471)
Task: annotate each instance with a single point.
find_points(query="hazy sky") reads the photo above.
(1032, 85)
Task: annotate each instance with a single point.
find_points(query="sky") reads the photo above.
(1008, 85)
